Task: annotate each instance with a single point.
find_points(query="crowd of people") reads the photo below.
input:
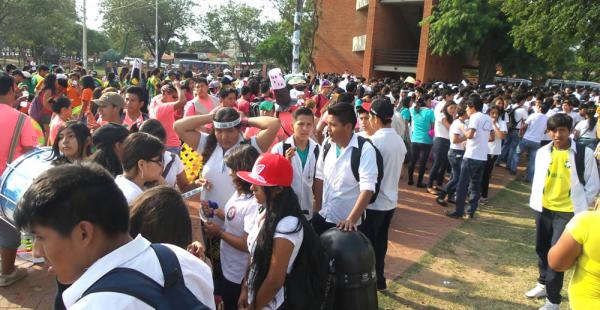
(276, 175)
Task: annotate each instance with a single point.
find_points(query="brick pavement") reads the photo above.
(418, 224)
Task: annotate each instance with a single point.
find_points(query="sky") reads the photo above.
(94, 19)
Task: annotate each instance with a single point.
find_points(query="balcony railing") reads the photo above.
(396, 57)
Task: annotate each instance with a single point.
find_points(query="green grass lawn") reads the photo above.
(485, 263)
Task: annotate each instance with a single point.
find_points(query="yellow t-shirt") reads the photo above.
(584, 290)
(557, 188)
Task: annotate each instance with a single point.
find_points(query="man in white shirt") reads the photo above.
(517, 116)
(80, 220)
(302, 152)
(341, 199)
(534, 129)
(479, 132)
(380, 213)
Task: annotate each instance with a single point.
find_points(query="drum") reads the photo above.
(18, 176)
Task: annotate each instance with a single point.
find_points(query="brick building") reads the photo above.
(376, 38)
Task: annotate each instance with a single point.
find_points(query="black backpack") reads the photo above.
(309, 285)
(355, 162)
(512, 122)
(174, 294)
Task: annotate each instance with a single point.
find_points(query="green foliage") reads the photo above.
(308, 28)
(276, 48)
(234, 22)
(111, 55)
(45, 29)
(461, 26)
(138, 19)
(562, 33)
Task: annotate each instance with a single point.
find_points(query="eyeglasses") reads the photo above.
(156, 161)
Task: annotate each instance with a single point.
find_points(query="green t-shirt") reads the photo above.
(303, 155)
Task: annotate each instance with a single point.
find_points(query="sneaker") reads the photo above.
(483, 201)
(16, 275)
(550, 306)
(441, 202)
(432, 190)
(538, 291)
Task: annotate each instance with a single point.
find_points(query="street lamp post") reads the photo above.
(84, 49)
(296, 37)
(156, 60)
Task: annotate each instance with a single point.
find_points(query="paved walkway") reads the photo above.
(418, 224)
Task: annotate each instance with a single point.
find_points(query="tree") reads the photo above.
(277, 48)
(138, 18)
(200, 46)
(234, 22)
(309, 26)
(558, 32)
(459, 27)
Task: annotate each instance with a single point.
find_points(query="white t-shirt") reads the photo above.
(240, 215)
(477, 148)
(392, 149)
(536, 127)
(440, 130)
(455, 130)
(584, 131)
(216, 172)
(495, 147)
(284, 230)
(129, 189)
(175, 169)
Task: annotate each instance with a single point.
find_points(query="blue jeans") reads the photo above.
(471, 172)
(455, 158)
(531, 148)
(509, 148)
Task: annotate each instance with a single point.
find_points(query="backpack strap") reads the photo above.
(355, 159)
(316, 152)
(129, 282)
(169, 165)
(326, 148)
(15, 138)
(580, 162)
(169, 265)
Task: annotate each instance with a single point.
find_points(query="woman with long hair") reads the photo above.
(279, 231)
(173, 171)
(142, 163)
(108, 141)
(225, 134)
(441, 145)
(238, 215)
(72, 144)
(422, 120)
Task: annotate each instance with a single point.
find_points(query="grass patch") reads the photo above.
(486, 263)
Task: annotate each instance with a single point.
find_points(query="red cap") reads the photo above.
(366, 106)
(269, 170)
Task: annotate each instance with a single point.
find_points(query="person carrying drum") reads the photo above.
(17, 138)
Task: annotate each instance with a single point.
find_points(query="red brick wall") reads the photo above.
(339, 23)
(433, 67)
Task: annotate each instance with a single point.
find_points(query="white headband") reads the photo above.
(224, 125)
